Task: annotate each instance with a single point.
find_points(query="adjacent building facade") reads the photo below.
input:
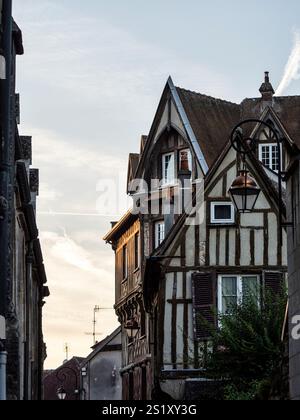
(125, 238)
(100, 371)
(66, 379)
(293, 216)
(22, 272)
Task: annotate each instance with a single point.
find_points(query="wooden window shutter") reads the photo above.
(273, 281)
(203, 304)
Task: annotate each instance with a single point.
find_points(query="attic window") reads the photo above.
(185, 160)
(268, 155)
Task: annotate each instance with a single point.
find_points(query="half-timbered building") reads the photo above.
(125, 240)
(202, 258)
(207, 264)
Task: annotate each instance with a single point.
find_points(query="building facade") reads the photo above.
(212, 257)
(136, 367)
(22, 272)
(293, 216)
(100, 371)
(66, 378)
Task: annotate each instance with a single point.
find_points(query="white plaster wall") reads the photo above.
(252, 219)
(273, 236)
(163, 122)
(222, 259)
(212, 247)
(232, 245)
(190, 246)
(179, 335)
(245, 247)
(217, 191)
(259, 253)
(262, 203)
(168, 321)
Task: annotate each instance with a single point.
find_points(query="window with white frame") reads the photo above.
(159, 233)
(269, 156)
(168, 169)
(222, 212)
(233, 289)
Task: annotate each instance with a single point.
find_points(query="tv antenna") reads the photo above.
(97, 309)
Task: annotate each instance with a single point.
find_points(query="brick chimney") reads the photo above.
(266, 89)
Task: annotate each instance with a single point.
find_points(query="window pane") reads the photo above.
(229, 294)
(229, 286)
(275, 156)
(265, 155)
(250, 287)
(223, 212)
(137, 250)
(228, 304)
(168, 168)
(159, 233)
(125, 263)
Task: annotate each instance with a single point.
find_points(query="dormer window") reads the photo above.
(268, 155)
(268, 149)
(168, 169)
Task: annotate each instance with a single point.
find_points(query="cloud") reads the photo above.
(79, 277)
(49, 194)
(65, 249)
(292, 68)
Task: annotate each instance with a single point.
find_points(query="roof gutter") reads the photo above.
(188, 127)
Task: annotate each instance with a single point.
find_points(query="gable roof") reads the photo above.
(121, 226)
(211, 119)
(286, 108)
(133, 162)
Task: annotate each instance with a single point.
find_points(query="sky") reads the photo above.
(90, 82)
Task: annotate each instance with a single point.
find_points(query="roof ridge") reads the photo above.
(207, 96)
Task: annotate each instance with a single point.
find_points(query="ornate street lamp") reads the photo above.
(61, 393)
(244, 191)
(132, 328)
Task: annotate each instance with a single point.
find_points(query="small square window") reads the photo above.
(222, 213)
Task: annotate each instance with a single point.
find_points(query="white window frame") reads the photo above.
(158, 239)
(221, 221)
(239, 278)
(168, 180)
(270, 146)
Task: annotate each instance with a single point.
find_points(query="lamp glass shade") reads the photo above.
(132, 328)
(61, 393)
(244, 193)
